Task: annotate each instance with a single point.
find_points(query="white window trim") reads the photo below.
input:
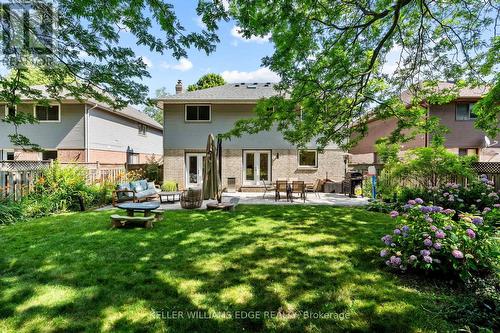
(308, 166)
(198, 121)
(7, 110)
(5, 152)
(269, 167)
(48, 121)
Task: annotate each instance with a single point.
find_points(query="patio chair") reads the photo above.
(300, 188)
(281, 187)
(315, 187)
(268, 188)
(191, 198)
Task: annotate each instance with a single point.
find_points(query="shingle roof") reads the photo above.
(476, 92)
(127, 112)
(228, 92)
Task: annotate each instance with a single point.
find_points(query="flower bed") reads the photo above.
(428, 238)
(476, 197)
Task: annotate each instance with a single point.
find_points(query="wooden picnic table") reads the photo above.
(145, 207)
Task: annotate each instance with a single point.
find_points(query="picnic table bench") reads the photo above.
(149, 209)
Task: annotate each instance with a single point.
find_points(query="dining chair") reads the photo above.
(299, 187)
(281, 186)
(268, 188)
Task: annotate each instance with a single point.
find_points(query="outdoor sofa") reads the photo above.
(136, 191)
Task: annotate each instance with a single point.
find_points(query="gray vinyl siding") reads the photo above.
(179, 134)
(66, 134)
(111, 132)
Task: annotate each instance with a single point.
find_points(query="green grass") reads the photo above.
(72, 273)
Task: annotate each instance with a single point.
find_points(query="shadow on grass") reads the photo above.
(72, 273)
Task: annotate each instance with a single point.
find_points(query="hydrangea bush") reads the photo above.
(428, 239)
(477, 197)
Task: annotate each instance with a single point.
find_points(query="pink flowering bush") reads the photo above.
(426, 238)
(478, 197)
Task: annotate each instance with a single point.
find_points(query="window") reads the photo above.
(464, 111)
(308, 159)
(142, 129)
(10, 111)
(49, 155)
(47, 113)
(9, 156)
(201, 113)
(467, 151)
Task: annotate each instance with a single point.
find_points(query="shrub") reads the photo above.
(476, 197)
(10, 212)
(152, 170)
(169, 186)
(61, 189)
(425, 167)
(428, 239)
(380, 206)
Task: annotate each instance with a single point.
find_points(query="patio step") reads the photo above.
(252, 188)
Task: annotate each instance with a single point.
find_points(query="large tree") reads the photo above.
(86, 47)
(207, 81)
(330, 55)
(152, 108)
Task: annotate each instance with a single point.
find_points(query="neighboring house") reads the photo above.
(73, 131)
(462, 138)
(246, 161)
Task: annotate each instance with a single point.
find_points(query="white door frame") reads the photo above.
(199, 162)
(257, 153)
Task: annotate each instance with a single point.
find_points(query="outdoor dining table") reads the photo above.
(146, 207)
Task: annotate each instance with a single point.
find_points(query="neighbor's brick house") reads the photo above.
(463, 138)
(247, 161)
(73, 131)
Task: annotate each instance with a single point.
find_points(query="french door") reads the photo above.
(256, 167)
(194, 169)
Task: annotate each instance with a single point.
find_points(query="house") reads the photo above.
(248, 161)
(90, 131)
(463, 138)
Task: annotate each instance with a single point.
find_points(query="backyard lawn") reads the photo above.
(277, 265)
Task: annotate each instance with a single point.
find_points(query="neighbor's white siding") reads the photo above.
(111, 132)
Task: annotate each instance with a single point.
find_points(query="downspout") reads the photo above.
(86, 132)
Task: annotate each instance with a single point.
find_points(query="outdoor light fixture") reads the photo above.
(277, 156)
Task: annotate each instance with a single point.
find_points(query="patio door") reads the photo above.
(194, 169)
(256, 167)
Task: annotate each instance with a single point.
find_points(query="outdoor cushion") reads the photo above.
(144, 184)
(136, 186)
(122, 187)
(145, 193)
(151, 186)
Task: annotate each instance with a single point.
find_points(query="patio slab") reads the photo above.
(250, 198)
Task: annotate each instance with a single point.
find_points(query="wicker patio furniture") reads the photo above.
(191, 198)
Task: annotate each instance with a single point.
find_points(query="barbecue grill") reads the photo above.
(353, 180)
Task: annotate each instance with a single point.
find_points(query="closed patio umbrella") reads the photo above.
(211, 180)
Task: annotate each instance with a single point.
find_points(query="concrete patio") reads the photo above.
(252, 198)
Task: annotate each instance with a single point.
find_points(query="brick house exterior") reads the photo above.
(463, 138)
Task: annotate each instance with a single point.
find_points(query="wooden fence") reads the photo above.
(17, 178)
